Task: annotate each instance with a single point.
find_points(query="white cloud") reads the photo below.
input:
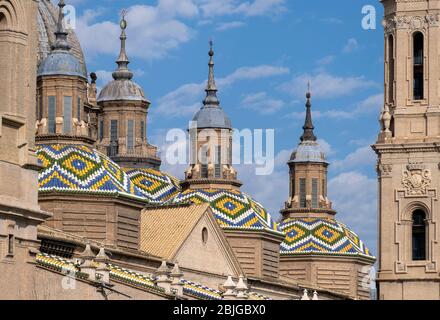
(351, 45)
(186, 99)
(104, 77)
(363, 156)
(152, 31)
(325, 60)
(155, 30)
(354, 196)
(262, 103)
(252, 73)
(325, 85)
(326, 147)
(229, 25)
(372, 104)
(184, 8)
(211, 8)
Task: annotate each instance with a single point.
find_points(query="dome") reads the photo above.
(46, 26)
(212, 117)
(321, 236)
(233, 210)
(61, 63)
(153, 184)
(308, 151)
(76, 169)
(122, 89)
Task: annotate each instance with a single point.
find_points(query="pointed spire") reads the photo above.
(87, 254)
(123, 73)
(101, 256)
(61, 33)
(308, 127)
(211, 99)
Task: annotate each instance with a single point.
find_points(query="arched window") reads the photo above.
(390, 69)
(302, 193)
(315, 197)
(205, 235)
(418, 62)
(3, 21)
(419, 235)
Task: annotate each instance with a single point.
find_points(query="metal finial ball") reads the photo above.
(123, 23)
(308, 95)
(211, 51)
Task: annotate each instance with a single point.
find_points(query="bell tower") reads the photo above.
(408, 149)
(20, 213)
(211, 143)
(122, 133)
(308, 176)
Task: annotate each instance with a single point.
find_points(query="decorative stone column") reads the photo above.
(163, 277)
(102, 270)
(305, 295)
(230, 286)
(176, 280)
(241, 289)
(88, 265)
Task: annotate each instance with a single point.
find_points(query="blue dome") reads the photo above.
(122, 90)
(61, 63)
(212, 117)
(308, 151)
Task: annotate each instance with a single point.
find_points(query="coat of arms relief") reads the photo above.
(416, 179)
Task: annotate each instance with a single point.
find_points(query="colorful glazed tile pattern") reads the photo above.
(80, 169)
(130, 277)
(257, 296)
(233, 209)
(154, 185)
(321, 236)
(60, 265)
(199, 291)
(133, 278)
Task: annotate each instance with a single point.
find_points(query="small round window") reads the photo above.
(205, 235)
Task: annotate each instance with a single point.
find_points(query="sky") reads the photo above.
(265, 53)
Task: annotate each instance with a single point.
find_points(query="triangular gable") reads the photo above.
(212, 254)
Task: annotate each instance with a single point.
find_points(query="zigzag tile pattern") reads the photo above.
(321, 236)
(232, 209)
(154, 185)
(81, 169)
(200, 291)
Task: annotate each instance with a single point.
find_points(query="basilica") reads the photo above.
(87, 213)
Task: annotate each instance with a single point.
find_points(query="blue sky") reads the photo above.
(266, 51)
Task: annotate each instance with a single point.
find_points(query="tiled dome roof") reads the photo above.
(122, 90)
(232, 209)
(46, 25)
(321, 236)
(308, 151)
(83, 170)
(153, 184)
(212, 117)
(61, 63)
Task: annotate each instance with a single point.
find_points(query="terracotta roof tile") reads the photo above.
(164, 229)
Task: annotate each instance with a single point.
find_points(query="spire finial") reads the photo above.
(123, 72)
(211, 89)
(308, 127)
(61, 33)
